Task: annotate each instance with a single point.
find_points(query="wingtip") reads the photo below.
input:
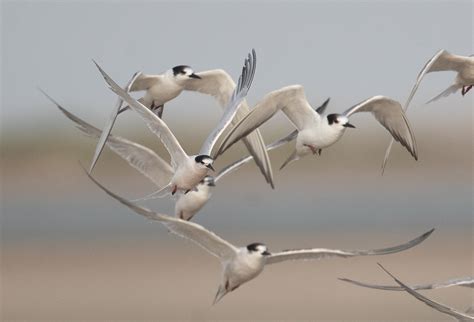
(91, 168)
(93, 60)
(430, 232)
(386, 271)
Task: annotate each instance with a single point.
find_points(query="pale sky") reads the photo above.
(346, 50)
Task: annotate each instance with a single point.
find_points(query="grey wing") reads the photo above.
(390, 115)
(434, 64)
(290, 99)
(143, 159)
(430, 66)
(110, 124)
(239, 163)
(320, 253)
(448, 91)
(185, 229)
(154, 123)
(465, 281)
(143, 82)
(460, 316)
(239, 93)
(220, 85)
(216, 83)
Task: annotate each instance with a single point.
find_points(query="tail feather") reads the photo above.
(448, 91)
(220, 294)
(291, 158)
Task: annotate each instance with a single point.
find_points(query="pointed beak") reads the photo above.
(209, 166)
(349, 125)
(266, 253)
(195, 76)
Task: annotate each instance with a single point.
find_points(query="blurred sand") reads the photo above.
(167, 279)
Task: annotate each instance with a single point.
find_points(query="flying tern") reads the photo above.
(459, 316)
(443, 61)
(163, 88)
(159, 89)
(189, 170)
(316, 130)
(242, 264)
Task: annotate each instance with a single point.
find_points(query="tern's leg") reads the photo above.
(157, 109)
(465, 89)
(313, 149)
(175, 188)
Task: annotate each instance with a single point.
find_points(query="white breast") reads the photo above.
(189, 204)
(188, 175)
(243, 268)
(321, 136)
(466, 76)
(163, 91)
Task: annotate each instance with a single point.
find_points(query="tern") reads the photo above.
(162, 88)
(242, 264)
(462, 281)
(189, 170)
(316, 130)
(459, 316)
(442, 61)
(190, 203)
(159, 171)
(159, 89)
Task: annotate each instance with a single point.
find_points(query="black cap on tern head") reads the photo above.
(184, 70)
(205, 160)
(332, 118)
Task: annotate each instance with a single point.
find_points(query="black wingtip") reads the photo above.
(425, 235)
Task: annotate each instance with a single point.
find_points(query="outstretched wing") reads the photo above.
(143, 159)
(291, 100)
(441, 61)
(460, 316)
(154, 123)
(143, 82)
(465, 281)
(390, 114)
(185, 229)
(240, 91)
(216, 82)
(320, 253)
(110, 124)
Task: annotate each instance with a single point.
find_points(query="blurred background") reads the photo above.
(71, 252)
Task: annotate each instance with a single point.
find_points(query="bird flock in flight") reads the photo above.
(187, 176)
